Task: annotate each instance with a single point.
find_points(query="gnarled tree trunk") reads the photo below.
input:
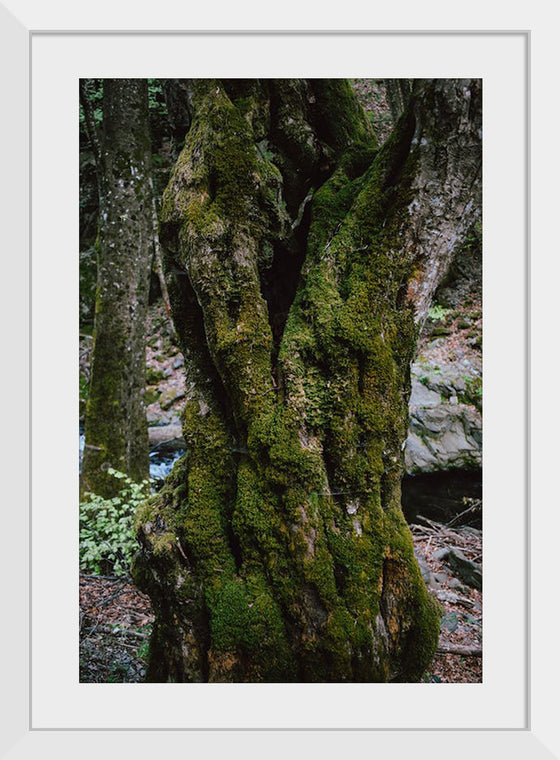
(304, 260)
(116, 432)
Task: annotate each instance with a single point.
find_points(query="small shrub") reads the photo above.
(107, 541)
(438, 313)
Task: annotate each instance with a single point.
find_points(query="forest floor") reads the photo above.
(116, 619)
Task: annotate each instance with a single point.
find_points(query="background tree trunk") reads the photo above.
(304, 260)
(115, 423)
(398, 95)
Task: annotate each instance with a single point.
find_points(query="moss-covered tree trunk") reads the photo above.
(303, 261)
(116, 431)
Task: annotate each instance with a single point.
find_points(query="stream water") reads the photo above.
(161, 461)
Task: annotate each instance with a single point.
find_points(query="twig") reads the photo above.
(133, 647)
(436, 526)
(108, 599)
(326, 248)
(470, 510)
(90, 632)
(421, 528)
(465, 651)
(181, 550)
(127, 632)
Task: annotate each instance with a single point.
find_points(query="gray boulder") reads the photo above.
(468, 571)
(445, 429)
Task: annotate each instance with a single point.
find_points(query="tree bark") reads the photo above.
(116, 432)
(398, 94)
(277, 550)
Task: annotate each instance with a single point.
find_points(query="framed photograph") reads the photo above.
(511, 711)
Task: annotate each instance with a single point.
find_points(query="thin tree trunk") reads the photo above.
(115, 424)
(277, 550)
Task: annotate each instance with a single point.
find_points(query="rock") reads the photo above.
(179, 361)
(450, 621)
(473, 531)
(448, 596)
(423, 396)
(470, 572)
(170, 395)
(445, 413)
(456, 584)
(152, 417)
(427, 575)
(444, 432)
(167, 436)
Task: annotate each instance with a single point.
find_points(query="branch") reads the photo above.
(474, 508)
(465, 651)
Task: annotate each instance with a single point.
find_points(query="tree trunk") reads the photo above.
(398, 94)
(304, 260)
(116, 432)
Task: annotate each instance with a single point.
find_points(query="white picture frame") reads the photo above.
(532, 731)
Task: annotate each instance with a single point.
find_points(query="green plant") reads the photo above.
(143, 650)
(473, 391)
(107, 542)
(438, 313)
(156, 97)
(94, 92)
(118, 673)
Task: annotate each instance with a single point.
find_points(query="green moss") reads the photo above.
(153, 376)
(336, 96)
(150, 396)
(247, 622)
(473, 392)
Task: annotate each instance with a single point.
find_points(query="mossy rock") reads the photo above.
(440, 331)
(153, 376)
(151, 396)
(169, 396)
